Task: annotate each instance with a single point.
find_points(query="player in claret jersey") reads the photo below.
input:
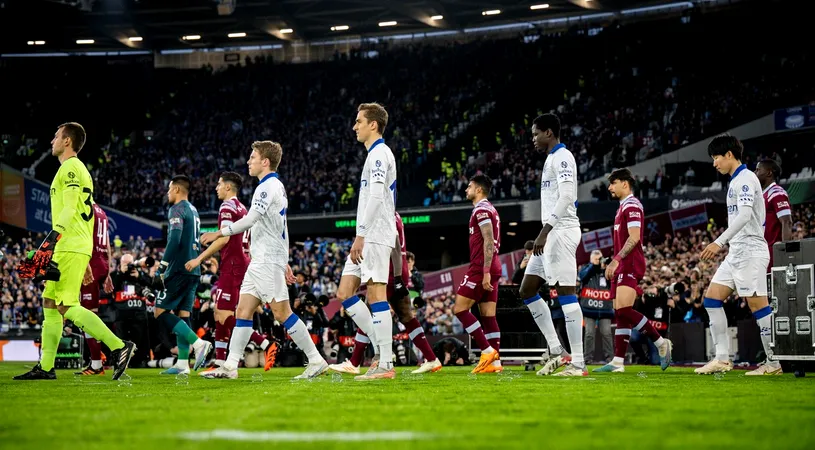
(625, 272)
(480, 284)
(94, 279)
(234, 252)
(778, 219)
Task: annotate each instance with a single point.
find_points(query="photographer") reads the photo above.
(655, 304)
(518, 276)
(131, 295)
(416, 278)
(344, 330)
(310, 309)
(597, 304)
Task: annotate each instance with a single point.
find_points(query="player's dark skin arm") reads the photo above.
(489, 251)
(786, 228)
(540, 241)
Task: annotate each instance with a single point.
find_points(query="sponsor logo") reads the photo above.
(794, 121)
(482, 215)
(71, 175)
(635, 215)
(596, 294)
(679, 203)
(564, 164)
(545, 184)
(226, 215)
(263, 194)
(731, 193)
(783, 204)
(378, 163)
(616, 226)
(175, 220)
(471, 230)
(745, 188)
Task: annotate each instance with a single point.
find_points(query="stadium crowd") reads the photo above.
(621, 102)
(636, 99)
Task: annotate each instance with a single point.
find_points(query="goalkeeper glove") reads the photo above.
(400, 291)
(42, 257)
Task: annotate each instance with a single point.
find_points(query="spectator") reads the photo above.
(518, 276)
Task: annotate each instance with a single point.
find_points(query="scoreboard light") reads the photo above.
(407, 220)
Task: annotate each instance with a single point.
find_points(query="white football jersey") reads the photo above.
(380, 167)
(745, 192)
(558, 168)
(270, 234)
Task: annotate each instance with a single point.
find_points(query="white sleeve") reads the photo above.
(738, 223)
(376, 200)
(565, 180)
(242, 225)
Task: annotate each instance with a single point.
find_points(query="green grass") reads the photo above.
(642, 408)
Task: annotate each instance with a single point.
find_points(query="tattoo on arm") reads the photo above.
(489, 245)
(630, 243)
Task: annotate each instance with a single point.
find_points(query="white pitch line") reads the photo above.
(307, 436)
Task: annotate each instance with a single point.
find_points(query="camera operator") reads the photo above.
(597, 304)
(131, 295)
(310, 309)
(518, 276)
(655, 304)
(416, 278)
(344, 330)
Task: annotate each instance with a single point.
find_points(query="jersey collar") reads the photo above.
(271, 175)
(768, 187)
(376, 142)
(557, 147)
(626, 198)
(738, 170)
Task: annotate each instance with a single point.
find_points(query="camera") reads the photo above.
(607, 260)
(675, 288)
(311, 300)
(208, 279)
(148, 262)
(419, 302)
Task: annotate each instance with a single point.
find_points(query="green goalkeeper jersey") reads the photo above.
(72, 207)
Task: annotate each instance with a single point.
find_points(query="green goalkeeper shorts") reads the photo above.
(67, 290)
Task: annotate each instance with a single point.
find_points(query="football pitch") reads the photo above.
(643, 408)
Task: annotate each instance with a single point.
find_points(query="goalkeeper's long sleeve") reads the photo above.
(70, 198)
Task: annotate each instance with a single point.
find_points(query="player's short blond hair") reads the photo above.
(375, 112)
(269, 150)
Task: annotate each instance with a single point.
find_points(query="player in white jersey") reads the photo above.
(369, 261)
(268, 274)
(554, 256)
(745, 266)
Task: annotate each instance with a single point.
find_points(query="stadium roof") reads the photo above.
(85, 25)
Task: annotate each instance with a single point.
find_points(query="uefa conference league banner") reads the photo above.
(656, 227)
(27, 204)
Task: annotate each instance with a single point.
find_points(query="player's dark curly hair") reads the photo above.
(233, 178)
(623, 174)
(548, 121)
(483, 182)
(724, 143)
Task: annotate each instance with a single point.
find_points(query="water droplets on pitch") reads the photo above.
(718, 376)
(508, 376)
(257, 378)
(182, 379)
(125, 380)
(409, 375)
(336, 378)
(642, 374)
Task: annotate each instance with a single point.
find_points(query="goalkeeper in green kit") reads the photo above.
(62, 259)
